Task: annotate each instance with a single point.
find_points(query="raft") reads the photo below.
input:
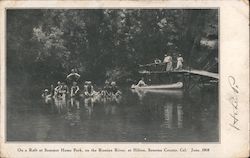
(177, 85)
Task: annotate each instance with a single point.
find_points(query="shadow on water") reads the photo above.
(137, 116)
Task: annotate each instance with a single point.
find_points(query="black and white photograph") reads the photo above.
(126, 75)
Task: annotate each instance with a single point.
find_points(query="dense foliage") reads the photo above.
(43, 45)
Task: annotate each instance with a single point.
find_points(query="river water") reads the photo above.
(138, 116)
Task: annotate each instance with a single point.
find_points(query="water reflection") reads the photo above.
(165, 116)
(177, 94)
(73, 117)
(73, 106)
(60, 103)
(179, 115)
(75, 102)
(169, 100)
(89, 104)
(168, 115)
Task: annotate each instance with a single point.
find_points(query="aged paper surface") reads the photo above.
(233, 91)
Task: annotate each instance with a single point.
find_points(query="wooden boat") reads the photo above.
(177, 85)
(160, 91)
(173, 93)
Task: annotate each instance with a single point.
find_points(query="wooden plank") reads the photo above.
(205, 73)
(152, 64)
(193, 71)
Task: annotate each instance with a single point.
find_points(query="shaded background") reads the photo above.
(43, 45)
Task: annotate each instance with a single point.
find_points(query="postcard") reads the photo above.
(141, 79)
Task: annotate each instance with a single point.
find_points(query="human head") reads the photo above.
(58, 83)
(72, 70)
(113, 83)
(88, 82)
(46, 91)
(74, 83)
(179, 55)
(106, 82)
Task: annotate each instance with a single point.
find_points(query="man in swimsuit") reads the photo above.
(74, 94)
(89, 89)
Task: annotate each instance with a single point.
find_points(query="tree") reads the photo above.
(106, 43)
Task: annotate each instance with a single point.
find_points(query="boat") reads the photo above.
(177, 85)
(160, 91)
(173, 93)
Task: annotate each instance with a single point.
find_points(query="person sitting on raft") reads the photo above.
(141, 83)
(73, 76)
(89, 89)
(157, 61)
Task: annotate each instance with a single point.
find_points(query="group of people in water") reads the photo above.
(73, 91)
(110, 89)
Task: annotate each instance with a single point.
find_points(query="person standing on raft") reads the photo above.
(179, 63)
(168, 61)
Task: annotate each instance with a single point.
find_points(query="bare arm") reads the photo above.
(71, 91)
(77, 74)
(69, 75)
(77, 89)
